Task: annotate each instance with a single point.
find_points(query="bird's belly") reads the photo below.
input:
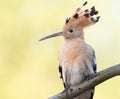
(78, 73)
(74, 70)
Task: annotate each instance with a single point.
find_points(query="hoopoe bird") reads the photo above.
(77, 62)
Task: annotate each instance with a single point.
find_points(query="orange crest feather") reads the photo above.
(82, 18)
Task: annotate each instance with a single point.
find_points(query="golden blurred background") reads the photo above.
(28, 68)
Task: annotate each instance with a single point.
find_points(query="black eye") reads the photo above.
(71, 31)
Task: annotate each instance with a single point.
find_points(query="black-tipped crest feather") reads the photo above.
(85, 3)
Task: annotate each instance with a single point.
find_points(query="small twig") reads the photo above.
(97, 79)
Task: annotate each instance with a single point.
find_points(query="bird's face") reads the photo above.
(72, 32)
(75, 24)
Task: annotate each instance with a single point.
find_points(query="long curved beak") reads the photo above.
(52, 35)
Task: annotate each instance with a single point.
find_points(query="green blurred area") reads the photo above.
(28, 68)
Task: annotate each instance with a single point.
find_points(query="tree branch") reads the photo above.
(96, 79)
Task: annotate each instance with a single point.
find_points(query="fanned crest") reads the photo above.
(82, 17)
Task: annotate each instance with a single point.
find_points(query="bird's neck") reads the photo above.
(75, 39)
(71, 50)
(81, 36)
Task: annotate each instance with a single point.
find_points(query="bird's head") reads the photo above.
(76, 23)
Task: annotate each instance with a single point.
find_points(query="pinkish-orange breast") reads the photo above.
(71, 51)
